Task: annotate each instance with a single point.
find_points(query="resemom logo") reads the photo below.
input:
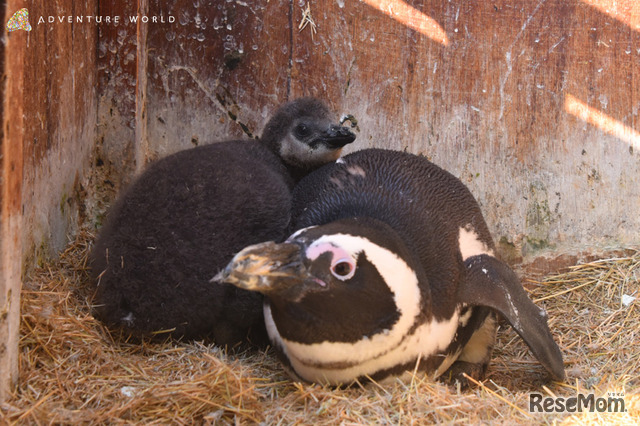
(19, 21)
(614, 403)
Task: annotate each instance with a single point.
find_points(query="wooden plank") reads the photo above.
(49, 124)
(117, 81)
(11, 166)
(141, 141)
(60, 126)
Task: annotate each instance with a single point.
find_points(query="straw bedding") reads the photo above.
(73, 371)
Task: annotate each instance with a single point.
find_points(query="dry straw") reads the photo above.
(72, 371)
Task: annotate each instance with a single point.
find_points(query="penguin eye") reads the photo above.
(343, 269)
(302, 131)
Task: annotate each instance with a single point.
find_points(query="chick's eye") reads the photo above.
(301, 130)
(343, 269)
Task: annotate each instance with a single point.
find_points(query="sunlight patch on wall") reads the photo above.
(412, 18)
(626, 11)
(596, 118)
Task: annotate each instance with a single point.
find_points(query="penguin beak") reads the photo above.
(337, 136)
(266, 268)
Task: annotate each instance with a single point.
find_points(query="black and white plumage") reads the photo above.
(392, 266)
(184, 218)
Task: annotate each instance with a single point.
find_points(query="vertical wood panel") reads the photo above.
(49, 125)
(141, 141)
(11, 166)
(60, 122)
(117, 80)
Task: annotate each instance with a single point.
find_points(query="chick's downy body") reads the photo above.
(208, 202)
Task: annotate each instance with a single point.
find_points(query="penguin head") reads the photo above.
(304, 134)
(339, 296)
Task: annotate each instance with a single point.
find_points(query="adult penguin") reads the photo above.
(392, 269)
(187, 214)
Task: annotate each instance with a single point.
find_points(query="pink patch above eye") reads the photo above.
(314, 251)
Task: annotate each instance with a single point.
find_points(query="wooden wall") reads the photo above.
(534, 104)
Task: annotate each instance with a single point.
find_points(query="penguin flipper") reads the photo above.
(492, 283)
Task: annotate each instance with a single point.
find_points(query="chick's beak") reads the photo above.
(337, 136)
(265, 267)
